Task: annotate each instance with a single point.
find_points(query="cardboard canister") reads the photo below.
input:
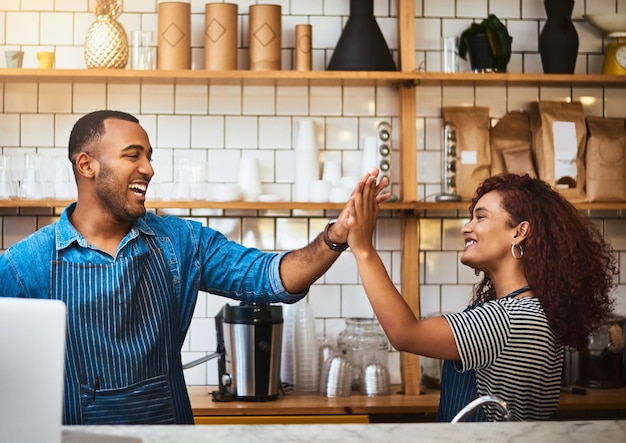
(174, 44)
(220, 36)
(265, 37)
(303, 47)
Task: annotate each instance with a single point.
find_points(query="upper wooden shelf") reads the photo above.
(286, 78)
(518, 79)
(200, 204)
(282, 78)
(418, 207)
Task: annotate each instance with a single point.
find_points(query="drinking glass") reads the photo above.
(142, 50)
(30, 186)
(8, 185)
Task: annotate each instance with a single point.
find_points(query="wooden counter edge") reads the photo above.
(594, 400)
(397, 403)
(293, 404)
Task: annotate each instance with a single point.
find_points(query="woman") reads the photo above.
(547, 278)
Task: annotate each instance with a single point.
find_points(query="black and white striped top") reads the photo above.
(515, 353)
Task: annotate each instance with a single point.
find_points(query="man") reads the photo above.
(130, 279)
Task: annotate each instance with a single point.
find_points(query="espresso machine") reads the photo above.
(602, 364)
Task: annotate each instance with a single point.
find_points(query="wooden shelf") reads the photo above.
(349, 78)
(198, 204)
(418, 207)
(512, 79)
(464, 206)
(277, 78)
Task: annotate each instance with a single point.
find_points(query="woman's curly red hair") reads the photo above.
(567, 262)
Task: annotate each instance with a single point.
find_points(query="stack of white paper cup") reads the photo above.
(288, 356)
(249, 178)
(306, 376)
(368, 157)
(306, 160)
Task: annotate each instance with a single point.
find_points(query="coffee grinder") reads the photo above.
(249, 339)
(249, 347)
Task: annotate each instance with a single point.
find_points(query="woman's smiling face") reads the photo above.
(488, 235)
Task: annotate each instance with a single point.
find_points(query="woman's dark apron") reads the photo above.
(459, 388)
(123, 348)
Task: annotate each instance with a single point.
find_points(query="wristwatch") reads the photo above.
(337, 247)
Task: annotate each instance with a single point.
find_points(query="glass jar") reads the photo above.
(362, 341)
(448, 162)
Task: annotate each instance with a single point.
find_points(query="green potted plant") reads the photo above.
(488, 45)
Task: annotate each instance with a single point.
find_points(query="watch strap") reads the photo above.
(337, 247)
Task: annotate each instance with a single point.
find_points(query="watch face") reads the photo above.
(620, 56)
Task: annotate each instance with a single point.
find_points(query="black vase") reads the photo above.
(361, 46)
(479, 53)
(558, 41)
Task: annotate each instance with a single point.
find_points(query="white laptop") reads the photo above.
(32, 360)
(32, 363)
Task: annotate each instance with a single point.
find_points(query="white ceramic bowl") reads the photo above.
(270, 198)
(608, 23)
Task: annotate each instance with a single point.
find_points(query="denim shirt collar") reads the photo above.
(67, 233)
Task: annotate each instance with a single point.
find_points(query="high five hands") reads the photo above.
(363, 210)
(366, 193)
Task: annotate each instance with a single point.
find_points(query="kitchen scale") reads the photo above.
(614, 25)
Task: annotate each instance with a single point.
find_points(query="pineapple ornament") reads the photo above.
(106, 44)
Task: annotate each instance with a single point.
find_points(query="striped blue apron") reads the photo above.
(123, 350)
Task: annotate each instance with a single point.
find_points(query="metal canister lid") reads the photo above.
(253, 314)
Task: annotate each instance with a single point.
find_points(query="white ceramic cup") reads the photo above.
(320, 191)
(348, 181)
(339, 195)
(224, 192)
(332, 172)
(14, 59)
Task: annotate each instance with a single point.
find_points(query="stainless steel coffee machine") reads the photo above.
(603, 363)
(249, 347)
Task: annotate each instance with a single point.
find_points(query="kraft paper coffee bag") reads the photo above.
(559, 135)
(473, 157)
(511, 145)
(606, 159)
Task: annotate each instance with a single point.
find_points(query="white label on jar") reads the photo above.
(469, 157)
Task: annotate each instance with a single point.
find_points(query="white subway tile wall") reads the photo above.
(214, 126)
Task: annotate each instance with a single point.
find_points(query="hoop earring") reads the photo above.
(521, 251)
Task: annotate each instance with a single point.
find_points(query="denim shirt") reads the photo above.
(199, 258)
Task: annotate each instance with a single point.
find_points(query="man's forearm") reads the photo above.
(301, 268)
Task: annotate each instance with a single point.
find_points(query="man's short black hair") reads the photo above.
(90, 127)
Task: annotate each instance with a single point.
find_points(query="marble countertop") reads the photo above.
(605, 431)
